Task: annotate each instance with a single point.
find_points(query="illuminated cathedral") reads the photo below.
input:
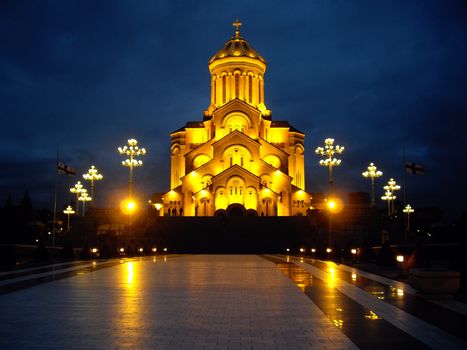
(237, 160)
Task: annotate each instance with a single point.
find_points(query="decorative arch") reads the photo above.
(236, 210)
(236, 121)
(200, 159)
(220, 199)
(273, 160)
(299, 149)
(237, 154)
(236, 186)
(175, 149)
(251, 198)
(206, 180)
(265, 180)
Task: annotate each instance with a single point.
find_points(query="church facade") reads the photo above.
(237, 160)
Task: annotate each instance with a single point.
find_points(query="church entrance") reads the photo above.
(236, 210)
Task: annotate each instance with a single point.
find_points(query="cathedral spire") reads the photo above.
(237, 25)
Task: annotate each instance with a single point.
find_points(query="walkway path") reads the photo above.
(189, 302)
(217, 302)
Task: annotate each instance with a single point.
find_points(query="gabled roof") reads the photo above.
(236, 101)
(284, 124)
(190, 125)
(264, 142)
(199, 169)
(274, 169)
(177, 189)
(235, 168)
(236, 133)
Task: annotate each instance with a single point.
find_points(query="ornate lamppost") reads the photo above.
(407, 211)
(388, 196)
(92, 175)
(372, 173)
(328, 151)
(77, 189)
(392, 186)
(84, 197)
(132, 151)
(68, 211)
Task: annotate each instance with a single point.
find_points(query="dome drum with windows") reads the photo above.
(237, 160)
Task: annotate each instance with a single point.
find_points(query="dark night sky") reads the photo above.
(378, 76)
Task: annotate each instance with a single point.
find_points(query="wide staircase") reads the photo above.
(247, 234)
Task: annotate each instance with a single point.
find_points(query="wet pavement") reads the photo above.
(219, 302)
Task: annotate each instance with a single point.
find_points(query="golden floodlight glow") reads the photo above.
(158, 206)
(128, 206)
(335, 205)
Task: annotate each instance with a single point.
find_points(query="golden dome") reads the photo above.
(237, 46)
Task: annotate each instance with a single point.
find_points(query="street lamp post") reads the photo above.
(388, 196)
(392, 186)
(407, 210)
(372, 173)
(84, 197)
(92, 175)
(132, 151)
(77, 189)
(328, 151)
(68, 211)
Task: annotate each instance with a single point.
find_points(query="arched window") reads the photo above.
(250, 88)
(237, 83)
(224, 88)
(214, 89)
(259, 89)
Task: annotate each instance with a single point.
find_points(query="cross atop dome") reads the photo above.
(237, 24)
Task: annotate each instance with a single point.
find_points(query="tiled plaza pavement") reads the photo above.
(216, 302)
(189, 302)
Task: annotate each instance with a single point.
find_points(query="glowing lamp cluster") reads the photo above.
(407, 211)
(328, 152)
(68, 211)
(372, 172)
(92, 175)
(77, 189)
(84, 197)
(132, 151)
(389, 195)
